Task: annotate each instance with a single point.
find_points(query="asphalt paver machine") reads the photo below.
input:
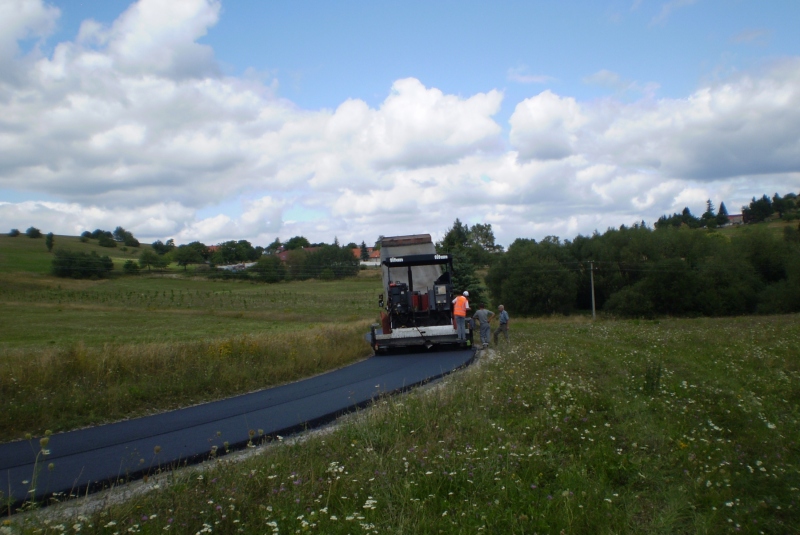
(416, 304)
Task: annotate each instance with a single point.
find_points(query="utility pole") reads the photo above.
(591, 277)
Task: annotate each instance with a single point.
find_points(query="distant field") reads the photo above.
(776, 226)
(43, 310)
(24, 254)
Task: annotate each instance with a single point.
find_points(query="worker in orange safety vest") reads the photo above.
(460, 307)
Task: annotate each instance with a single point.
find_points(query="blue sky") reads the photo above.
(326, 52)
(247, 119)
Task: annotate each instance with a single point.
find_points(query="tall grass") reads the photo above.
(64, 388)
(566, 430)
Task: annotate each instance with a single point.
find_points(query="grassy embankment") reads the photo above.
(80, 352)
(672, 426)
(774, 225)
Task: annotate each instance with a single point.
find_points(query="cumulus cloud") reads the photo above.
(151, 141)
(21, 19)
(74, 218)
(259, 221)
(745, 126)
(545, 127)
(108, 121)
(159, 38)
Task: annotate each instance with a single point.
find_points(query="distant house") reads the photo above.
(735, 219)
(374, 259)
(371, 252)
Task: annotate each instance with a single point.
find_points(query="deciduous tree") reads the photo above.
(150, 259)
(185, 255)
(274, 247)
(269, 268)
(297, 242)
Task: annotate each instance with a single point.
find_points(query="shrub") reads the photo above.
(338, 260)
(105, 241)
(130, 267)
(80, 265)
(631, 301)
(270, 269)
(33, 232)
(14, 232)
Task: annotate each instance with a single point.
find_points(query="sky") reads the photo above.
(215, 120)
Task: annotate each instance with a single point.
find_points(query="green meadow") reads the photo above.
(24, 254)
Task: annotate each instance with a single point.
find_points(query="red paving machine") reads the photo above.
(417, 296)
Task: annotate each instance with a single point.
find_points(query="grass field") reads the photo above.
(775, 226)
(77, 353)
(40, 310)
(81, 352)
(24, 254)
(671, 426)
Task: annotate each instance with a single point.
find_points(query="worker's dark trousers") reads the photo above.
(503, 328)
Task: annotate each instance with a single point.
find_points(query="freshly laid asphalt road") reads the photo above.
(97, 457)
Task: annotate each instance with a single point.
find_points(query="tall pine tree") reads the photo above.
(722, 215)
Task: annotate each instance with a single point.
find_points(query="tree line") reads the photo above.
(681, 266)
(643, 272)
(786, 207)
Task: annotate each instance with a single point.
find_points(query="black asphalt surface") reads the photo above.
(94, 458)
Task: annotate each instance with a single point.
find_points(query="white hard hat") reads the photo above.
(466, 294)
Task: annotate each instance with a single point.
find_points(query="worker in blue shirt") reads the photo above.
(503, 328)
